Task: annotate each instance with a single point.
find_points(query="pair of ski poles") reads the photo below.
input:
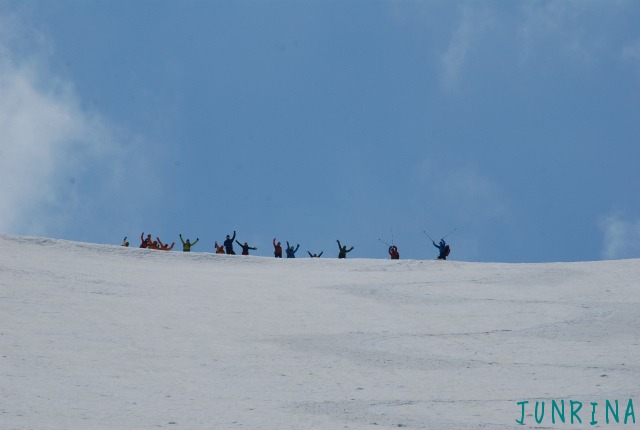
(424, 231)
(386, 242)
(443, 237)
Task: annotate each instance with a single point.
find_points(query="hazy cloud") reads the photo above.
(621, 237)
(631, 53)
(47, 141)
(465, 191)
(569, 31)
(472, 22)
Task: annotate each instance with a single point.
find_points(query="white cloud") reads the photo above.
(621, 237)
(47, 141)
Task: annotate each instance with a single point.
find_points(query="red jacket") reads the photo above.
(145, 242)
(277, 249)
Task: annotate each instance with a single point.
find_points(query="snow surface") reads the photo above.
(105, 337)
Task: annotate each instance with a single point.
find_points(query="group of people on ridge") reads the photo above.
(148, 242)
(290, 250)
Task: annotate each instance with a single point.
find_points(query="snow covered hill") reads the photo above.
(105, 337)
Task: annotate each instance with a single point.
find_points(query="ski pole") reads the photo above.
(383, 242)
(428, 236)
(449, 233)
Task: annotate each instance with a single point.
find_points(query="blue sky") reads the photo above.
(514, 123)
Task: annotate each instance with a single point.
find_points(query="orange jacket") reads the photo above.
(219, 248)
(164, 246)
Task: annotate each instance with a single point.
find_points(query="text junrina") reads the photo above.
(575, 412)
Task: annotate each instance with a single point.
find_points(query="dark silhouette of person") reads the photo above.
(228, 244)
(245, 248)
(343, 250)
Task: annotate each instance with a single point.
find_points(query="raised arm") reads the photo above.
(320, 255)
(159, 241)
(237, 241)
(349, 250)
(310, 255)
(197, 239)
(297, 247)
(234, 236)
(339, 246)
(181, 240)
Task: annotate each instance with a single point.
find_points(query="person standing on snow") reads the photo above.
(315, 255)
(343, 250)
(125, 243)
(228, 244)
(291, 253)
(219, 248)
(245, 248)
(393, 252)
(186, 246)
(145, 242)
(277, 249)
(443, 249)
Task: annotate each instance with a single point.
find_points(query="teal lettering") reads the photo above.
(629, 412)
(593, 414)
(539, 420)
(575, 410)
(521, 420)
(608, 408)
(554, 409)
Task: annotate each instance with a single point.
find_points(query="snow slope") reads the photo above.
(105, 337)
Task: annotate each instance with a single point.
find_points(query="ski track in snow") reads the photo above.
(105, 337)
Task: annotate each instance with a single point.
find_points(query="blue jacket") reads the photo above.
(228, 243)
(291, 253)
(441, 247)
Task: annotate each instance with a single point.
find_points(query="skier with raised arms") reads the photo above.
(443, 249)
(245, 248)
(291, 253)
(277, 249)
(343, 250)
(228, 244)
(186, 246)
